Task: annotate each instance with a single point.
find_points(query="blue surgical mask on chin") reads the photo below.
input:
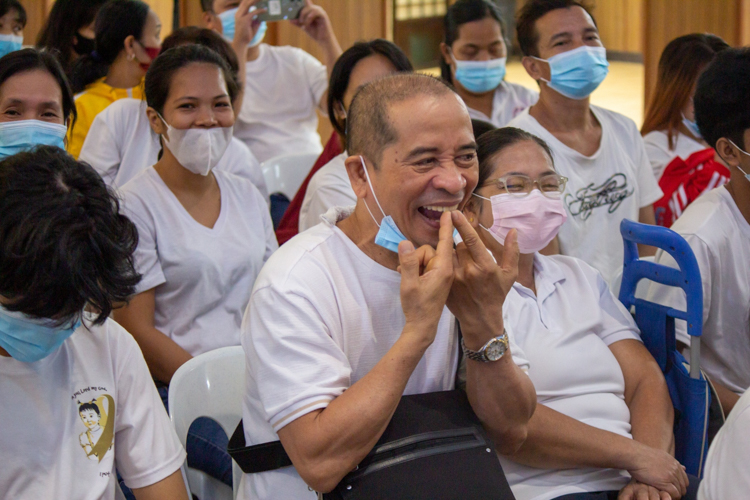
(578, 72)
(692, 127)
(227, 27)
(389, 235)
(27, 339)
(10, 43)
(23, 135)
(480, 77)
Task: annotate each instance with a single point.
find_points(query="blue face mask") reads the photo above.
(389, 235)
(23, 135)
(227, 26)
(692, 127)
(480, 77)
(10, 43)
(578, 72)
(29, 340)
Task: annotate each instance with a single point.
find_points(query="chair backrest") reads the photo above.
(688, 389)
(285, 174)
(209, 385)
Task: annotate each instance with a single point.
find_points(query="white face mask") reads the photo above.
(197, 149)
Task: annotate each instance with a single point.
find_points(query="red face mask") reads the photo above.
(152, 52)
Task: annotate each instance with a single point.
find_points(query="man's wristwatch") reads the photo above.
(491, 351)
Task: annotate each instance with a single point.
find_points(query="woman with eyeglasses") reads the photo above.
(603, 423)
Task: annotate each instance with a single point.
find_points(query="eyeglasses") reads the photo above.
(551, 185)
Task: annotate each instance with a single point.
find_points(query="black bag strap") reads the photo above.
(272, 455)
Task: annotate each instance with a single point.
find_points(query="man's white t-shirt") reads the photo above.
(329, 187)
(283, 89)
(120, 144)
(719, 235)
(509, 101)
(321, 316)
(568, 325)
(603, 189)
(202, 276)
(44, 434)
(726, 474)
(659, 153)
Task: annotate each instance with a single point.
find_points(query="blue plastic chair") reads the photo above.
(688, 387)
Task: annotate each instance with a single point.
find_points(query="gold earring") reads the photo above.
(471, 220)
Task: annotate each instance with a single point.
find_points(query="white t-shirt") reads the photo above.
(202, 276)
(569, 324)
(329, 187)
(47, 450)
(321, 316)
(282, 93)
(726, 474)
(719, 235)
(120, 144)
(510, 99)
(603, 189)
(659, 153)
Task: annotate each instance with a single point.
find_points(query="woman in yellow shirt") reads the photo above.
(127, 40)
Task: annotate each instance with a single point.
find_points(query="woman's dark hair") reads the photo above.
(164, 67)
(680, 64)
(462, 12)
(722, 107)
(481, 127)
(63, 23)
(207, 38)
(342, 72)
(8, 5)
(63, 242)
(23, 60)
(89, 407)
(531, 12)
(494, 141)
(115, 21)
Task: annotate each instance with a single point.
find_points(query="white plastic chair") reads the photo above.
(641, 290)
(285, 174)
(209, 385)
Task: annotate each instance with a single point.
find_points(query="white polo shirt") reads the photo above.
(660, 154)
(603, 189)
(726, 474)
(719, 235)
(329, 187)
(201, 276)
(565, 331)
(509, 100)
(47, 448)
(321, 316)
(120, 144)
(283, 89)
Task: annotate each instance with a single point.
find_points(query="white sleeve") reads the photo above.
(255, 174)
(291, 356)
(648, 187)
(315, 74)
(617, 322)
(272, 243)
(147, 449)
(657, 155)
(146, 254)
(240, 161)
(321, 199)
(673, 296)
(101, 150)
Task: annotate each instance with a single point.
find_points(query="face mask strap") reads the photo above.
(482, 197)
(743, 152)
(369, 183)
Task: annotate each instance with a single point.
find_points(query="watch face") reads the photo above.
(495, 350)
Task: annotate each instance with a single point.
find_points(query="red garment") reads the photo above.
(289, 225)
(685, 180)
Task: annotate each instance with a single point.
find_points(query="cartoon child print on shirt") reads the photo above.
(96, 440)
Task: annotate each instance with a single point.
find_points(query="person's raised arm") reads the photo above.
(327, 444)
(646, 216)
(163, 355)
(246, 25)
(500, 393)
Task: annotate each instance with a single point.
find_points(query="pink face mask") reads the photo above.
(536, 217)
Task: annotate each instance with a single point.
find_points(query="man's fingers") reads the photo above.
(445, 241)
(471, 239)
(509, 262)
(407, 257)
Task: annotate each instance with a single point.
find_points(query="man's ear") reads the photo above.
(157, 125)
(536, 68)
(211, 21)
(357, 176)
(727, 152)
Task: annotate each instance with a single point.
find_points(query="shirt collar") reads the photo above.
(547, 273)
